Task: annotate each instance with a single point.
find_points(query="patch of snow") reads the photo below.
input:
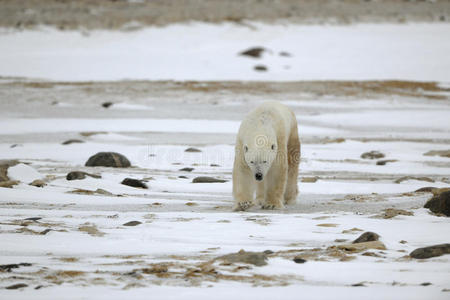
(23, 173)
(200, 51)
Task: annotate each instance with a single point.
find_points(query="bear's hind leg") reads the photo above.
(290, 195)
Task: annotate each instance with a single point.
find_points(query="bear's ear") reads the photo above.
(245, 148)
(273, 146)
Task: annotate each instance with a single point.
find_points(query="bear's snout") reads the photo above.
(259, 176)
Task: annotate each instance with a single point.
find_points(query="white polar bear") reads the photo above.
(267, 156)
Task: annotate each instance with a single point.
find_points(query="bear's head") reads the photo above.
(259, 153)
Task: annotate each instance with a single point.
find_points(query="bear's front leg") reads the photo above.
(276, 184)
(243, 187)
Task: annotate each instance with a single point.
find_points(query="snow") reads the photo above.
(24, 173)
(199, 51)
(185, 224)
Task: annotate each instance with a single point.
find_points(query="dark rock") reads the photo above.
(8, 267)
(268, 252)
(285, 54)
(33, 219)
(44, 232)
(78, 175)
(134, 183)
(389, 213)
(214, 165)
(431, 251)
(425, 283)
(206, 179)
(372, 155)
(192, 150)
(427, 189)
(187, 169)
(107, 104)
(260, 68)
(367, 237)
(132, 223)
(440, 203)
(299, 260)
(358, 284)
(16, 286)
(254, 52)
(254, 258)
(182, 176)
(383, 162)
(108, 159)
(72, 141)
(15, 145)
(38, 183)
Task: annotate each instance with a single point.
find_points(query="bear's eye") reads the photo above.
(273, 147)
(245, 148)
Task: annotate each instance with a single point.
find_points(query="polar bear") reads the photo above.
(267, 155)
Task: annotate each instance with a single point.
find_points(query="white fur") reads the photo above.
(267, 148)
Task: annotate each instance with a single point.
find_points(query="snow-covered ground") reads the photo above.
(80, 247)
(201, 51)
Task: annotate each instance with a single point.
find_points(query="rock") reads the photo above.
(367, 237)
(358, 284)
(254, 52)
(260, 68)
(372, 155)
(309, 179)
(38, 183)
(427, 189)
(440, 203)
(187, 169)
(132, 223)
(134, 183)
(389, 213)
(206, 179)
(192, 150)
(183, 177)
(404, 178)
(254, 258)
(383, 162)
(362, 246)
(44, 232)
(78, 175)
(16, 286)
(285, 54)
(23, 173)
(299, 260)
(8, 267)
(72, 141)
(214, 165)
(107, 104)
(108, 159)
(431, 251)
(33, 219)
(91, 230)
(426, 283)
(9, 183)
(4, 165)
(443, 153)
(103, 192)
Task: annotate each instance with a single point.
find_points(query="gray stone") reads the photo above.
(254, 258)
(108, 159)
(367, 237)
(431, 251)
(206, 179)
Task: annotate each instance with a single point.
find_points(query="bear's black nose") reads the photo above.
(258, 176)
